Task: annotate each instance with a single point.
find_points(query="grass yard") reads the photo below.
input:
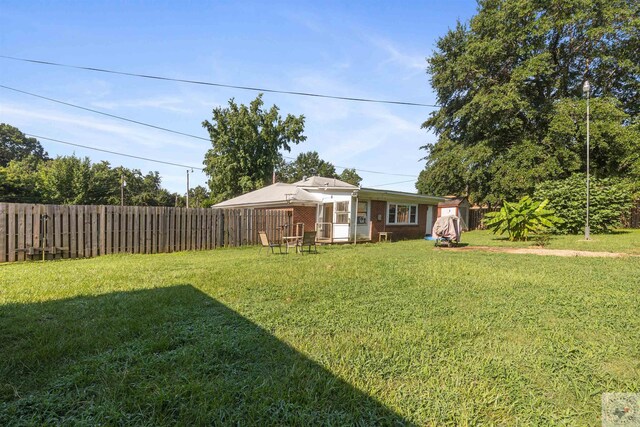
(385, 334)
(624, 241)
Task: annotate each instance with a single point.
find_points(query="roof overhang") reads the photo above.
(278, 194)
(266, 205)
(398, 196)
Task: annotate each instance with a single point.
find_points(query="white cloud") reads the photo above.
(414, 63)
(88, 127)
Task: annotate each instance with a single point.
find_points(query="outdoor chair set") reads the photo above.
(306, 240)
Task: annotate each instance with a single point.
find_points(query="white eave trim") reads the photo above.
(267, 205)
(398, 196)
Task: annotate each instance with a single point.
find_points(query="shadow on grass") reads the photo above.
(163, 356)
(617, 231)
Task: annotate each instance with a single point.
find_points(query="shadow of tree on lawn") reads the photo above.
(163, 356)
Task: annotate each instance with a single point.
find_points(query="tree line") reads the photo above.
(235, 165)
(29, 175)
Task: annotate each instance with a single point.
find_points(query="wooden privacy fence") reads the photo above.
(61, 231)
(631, 220)
(476, 215)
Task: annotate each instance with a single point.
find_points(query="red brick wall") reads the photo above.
(400, 232)
(306, 215)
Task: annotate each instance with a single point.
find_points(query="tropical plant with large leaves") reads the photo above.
(521, 218)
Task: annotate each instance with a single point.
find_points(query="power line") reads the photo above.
(170, 163)
(113, 152)
(165, 129)
(198, 82)
(105, 114)
(393, 183)
(375, 172)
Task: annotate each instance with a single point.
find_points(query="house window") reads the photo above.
(342, 212)
(363, 208)
(398, 213)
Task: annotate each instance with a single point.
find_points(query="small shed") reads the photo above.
(458, 206)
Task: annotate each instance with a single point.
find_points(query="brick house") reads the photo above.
(341, 212)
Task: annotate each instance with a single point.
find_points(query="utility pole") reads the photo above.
(188, 186)
(123, 184)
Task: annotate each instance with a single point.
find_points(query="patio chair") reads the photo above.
(265, 243)
(308, 240)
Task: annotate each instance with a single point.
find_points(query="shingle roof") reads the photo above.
(272, 195)
(319, 182)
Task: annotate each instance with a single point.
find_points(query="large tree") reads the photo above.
(246, 148)
(66, 180)
(310, 164)
(512, 111)
(350, 175)
(305, 165)
(15, 145)
(19, 181)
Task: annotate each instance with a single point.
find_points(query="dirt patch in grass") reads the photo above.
(542, 251)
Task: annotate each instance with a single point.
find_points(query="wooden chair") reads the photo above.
(265, 243)
(308, 240)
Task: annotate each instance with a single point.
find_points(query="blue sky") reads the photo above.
(355, 49)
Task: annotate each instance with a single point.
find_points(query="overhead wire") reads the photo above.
(147, 158)
(104, 114)
(113, 152)
(205, 83)
(166, 129)
(393, 183)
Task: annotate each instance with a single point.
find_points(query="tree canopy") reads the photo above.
(246, 148)
(512, 111)
(15, 145)
(34, 178)
(306, 165)
(351, 176)
(310, 164)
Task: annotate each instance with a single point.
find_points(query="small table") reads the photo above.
(386, 234)
(290, 241)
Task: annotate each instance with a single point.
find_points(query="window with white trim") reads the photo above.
(342, 212)
(402, 213)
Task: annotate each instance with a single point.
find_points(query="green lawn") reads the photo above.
(625, 241)
(387, 334)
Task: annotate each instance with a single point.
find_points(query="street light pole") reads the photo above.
(586, 88)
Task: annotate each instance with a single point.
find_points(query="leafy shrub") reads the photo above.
(542, 237)
(518, 219)
(610, 199)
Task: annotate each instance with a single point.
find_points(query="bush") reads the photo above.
(610, 200)
(521, 218)
(542, 237)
